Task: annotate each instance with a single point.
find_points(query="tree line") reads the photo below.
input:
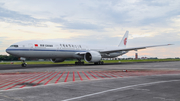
(8, 58)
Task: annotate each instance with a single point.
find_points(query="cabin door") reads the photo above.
(30, 45)
(57, 47)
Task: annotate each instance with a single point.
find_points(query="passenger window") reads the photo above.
(69, 45)
(14, 46)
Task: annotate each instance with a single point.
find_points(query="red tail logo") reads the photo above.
(125, 41)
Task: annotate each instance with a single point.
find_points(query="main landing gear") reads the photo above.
(24, 64)
(79, 62)
(82, 63)
(99, 63)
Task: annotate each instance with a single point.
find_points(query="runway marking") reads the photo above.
(59, 77)
(121, 74)
(12, 80)
(116, 73)
(73, 76)
(15, 82)
(104, 75)
(86, 75)
(66, 77)
(120, 88)
(43, 79)
(164, 99)
(39, 77)
(111, 75)
(91, 75)
(22, 80)
(80, 76)
(97, 74)
(52, 78)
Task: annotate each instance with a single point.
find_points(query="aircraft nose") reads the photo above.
(8, 51)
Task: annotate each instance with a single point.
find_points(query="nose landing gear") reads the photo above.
(24, 64)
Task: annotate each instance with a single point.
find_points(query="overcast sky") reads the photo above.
(103, 22)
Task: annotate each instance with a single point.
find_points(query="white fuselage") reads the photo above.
(48, 49)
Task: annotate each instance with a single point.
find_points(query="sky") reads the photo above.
(102, 22)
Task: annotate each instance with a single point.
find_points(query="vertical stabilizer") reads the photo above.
(123, 42)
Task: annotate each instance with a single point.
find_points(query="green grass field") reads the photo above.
(105, 61)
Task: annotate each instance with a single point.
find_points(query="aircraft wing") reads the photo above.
(129, 49)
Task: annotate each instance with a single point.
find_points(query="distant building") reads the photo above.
(136, 56)
(143, 57)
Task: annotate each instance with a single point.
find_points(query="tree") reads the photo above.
(8, 58)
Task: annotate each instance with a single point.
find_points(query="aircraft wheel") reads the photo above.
(23, 64)
(96, 63)
(82, 63)
(99, 63)
(79, 63)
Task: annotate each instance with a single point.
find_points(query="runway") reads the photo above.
(156, 81)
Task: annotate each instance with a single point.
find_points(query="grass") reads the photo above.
(105, 61)
(145, 60)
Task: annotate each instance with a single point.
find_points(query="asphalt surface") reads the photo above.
(156, 81)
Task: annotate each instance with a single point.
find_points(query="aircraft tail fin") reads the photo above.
(123, 42)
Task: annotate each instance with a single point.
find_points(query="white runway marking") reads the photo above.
(110, 90)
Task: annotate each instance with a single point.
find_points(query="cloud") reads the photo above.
(3, 44)
(15, 17)
(76, 25)
(101, 22)
(163, 38)
(96, 14)
(2, 51)
(82, 26)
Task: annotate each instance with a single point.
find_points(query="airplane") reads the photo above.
(58, 52)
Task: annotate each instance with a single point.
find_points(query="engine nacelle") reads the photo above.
(92, 56)
(56, 60)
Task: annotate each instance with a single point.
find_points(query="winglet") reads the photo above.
(123, 42)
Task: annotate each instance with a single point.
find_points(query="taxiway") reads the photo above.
(156, 81)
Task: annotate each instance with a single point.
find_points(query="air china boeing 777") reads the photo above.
(58, 52)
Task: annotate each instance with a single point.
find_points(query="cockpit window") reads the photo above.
(14, 46)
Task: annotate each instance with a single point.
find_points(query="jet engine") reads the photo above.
(92, 56)
(56, 60)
